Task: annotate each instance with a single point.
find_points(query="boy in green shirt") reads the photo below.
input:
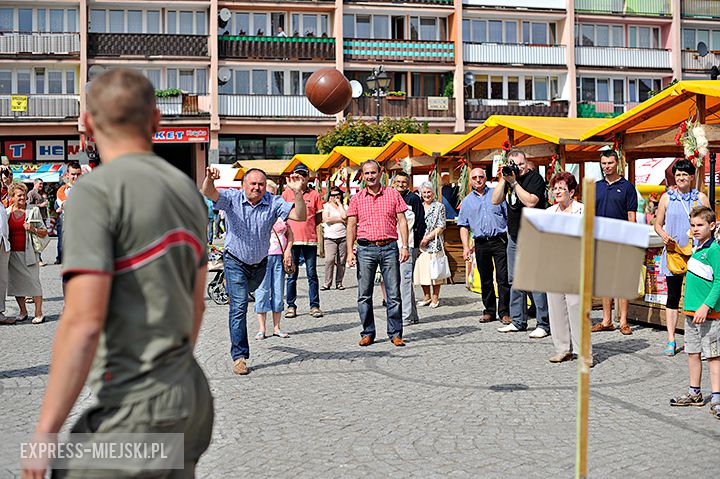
(702, 311)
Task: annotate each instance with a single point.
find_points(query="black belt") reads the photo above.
(385, 242)
(483, 239)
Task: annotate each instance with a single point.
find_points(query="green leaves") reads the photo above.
(351, 132)
(168, 93)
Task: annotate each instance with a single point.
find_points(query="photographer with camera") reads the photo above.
(521, 187)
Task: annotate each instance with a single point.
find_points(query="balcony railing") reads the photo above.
(39, 43)
(701, 8)
(42, 106)
(514, 54)
(616, 57)
(398, 51)
(147, 44)
(545, 4)
(650, 8)
(415, 107)
(480, 110)
(424, 2)
(692, 61)
(268, 106)
(603, 109)
(185, 105)
(277, 48)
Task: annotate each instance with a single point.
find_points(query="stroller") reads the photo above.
(216, 287)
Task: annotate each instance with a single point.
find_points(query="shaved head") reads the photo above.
(478, 171)
(122, 101)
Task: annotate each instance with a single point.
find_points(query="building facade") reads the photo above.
(230, 75)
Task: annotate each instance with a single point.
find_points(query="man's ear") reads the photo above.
(88, 122)
(156, 121)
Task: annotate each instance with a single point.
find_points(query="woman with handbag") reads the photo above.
(28, 237)
(431, 268)
(672, 223)
(270, 295)
(334, 231)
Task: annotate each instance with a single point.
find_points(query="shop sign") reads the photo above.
(438, 103)
(182, 135)
(19, 150)
(18, 103)
(50, 150)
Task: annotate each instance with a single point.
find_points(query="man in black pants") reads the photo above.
(488, 223)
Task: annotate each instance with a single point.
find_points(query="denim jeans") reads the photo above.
(58, 230)
(407, 289)
(210, 230)
(269, 297)
(240, 279)
(368, 260)
(518, 301)
(309, 253)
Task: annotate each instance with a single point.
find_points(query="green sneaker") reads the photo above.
(688, 400)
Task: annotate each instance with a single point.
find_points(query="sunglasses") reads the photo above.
(335, 195)
(301, 173)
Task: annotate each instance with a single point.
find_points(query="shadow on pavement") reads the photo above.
(608, 349)
(321, 355)
(26, 372)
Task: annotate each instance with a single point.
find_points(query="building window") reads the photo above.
(97, 21)
(70, 82)
(6, 20)
(241, 148)
(25, 20)
(6, 82)
(134, 21)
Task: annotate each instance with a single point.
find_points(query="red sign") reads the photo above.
(19, 150)
(182, 135)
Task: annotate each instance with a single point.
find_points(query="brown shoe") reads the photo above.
(487, 318)
(7, 321)
(316, 312)
(603, 327)
(561, 357)
(397, 341)
(366, 341)
(625, 329)
(506, 319)
(239, 367)
(290, 312)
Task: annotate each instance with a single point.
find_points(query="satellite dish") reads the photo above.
(95, 71)
(224, 16)
(469, 78)
(224, 74)
(357, 88)
(702, 49)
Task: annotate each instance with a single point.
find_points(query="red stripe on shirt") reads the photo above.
(171, 239)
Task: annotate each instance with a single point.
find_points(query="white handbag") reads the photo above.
(439, 266)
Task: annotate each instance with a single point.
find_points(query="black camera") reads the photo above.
(511, 169)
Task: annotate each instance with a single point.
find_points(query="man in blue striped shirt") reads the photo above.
(488, 223)
(250, 214)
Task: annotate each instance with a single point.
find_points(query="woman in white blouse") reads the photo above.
(334, 230)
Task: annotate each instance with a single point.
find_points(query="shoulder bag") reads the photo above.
(39, 244)
(292, 267)
(439, 266)
(677, 256)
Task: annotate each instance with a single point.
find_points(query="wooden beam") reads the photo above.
(521, 139)
(663, 138)
(533, 151)
(701, 110)
(563, 157)
(511, 136)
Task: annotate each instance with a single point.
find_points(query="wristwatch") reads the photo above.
(405, 247)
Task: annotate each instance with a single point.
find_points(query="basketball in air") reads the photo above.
(329, 91)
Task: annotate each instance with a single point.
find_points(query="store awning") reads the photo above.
(664, 111)
(356, 154)
(230, 176)
(312, 161)
(527, 131)
(28, 172)
(270, 167)
(408, 145)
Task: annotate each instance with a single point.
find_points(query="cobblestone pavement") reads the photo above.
(461, 400)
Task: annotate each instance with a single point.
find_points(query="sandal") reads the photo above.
(324, 288)
(671, 349)
(260, 335)
(20, 319)
(281, 334)
(38, 319)
(340, 287)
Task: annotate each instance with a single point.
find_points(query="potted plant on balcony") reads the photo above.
(169, 101)
(395, 95)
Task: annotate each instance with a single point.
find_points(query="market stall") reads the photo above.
(680, 121)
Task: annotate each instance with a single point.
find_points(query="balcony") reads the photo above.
(646, 8)
(692, 61)
(39, 44)
(505, 54)
(481, 110)
(268, 106)
(185, 105)
(48, 107)
(398, 51)
(603, 109)
(546, 4)
(615, 57)
(700, 9)
(277, 48)
(146, 45)
(414, 107)
(395, 2)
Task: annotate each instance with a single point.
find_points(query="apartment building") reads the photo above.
(230, 75)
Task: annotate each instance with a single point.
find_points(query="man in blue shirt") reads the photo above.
(250, 214)
(488, 223)
(615, 197)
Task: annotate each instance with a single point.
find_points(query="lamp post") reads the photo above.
(378, 81)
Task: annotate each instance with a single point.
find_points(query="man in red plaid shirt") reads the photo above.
(373, 218)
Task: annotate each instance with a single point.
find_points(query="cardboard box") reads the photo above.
(548, 254)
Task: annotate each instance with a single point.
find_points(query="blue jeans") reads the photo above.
(309, 252)
(210, 230)
(58, 230)
(269, 296)
(518, 301)
(240, 279)
(368, 260)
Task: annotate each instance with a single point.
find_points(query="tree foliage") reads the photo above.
(351, 132)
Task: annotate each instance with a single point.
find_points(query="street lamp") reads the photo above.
(378, 81)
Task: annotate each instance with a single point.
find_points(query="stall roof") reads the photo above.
(356, 154)
(529, 130)
(664, 111)
(411, 145)
(270, 167)
(312, 161)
